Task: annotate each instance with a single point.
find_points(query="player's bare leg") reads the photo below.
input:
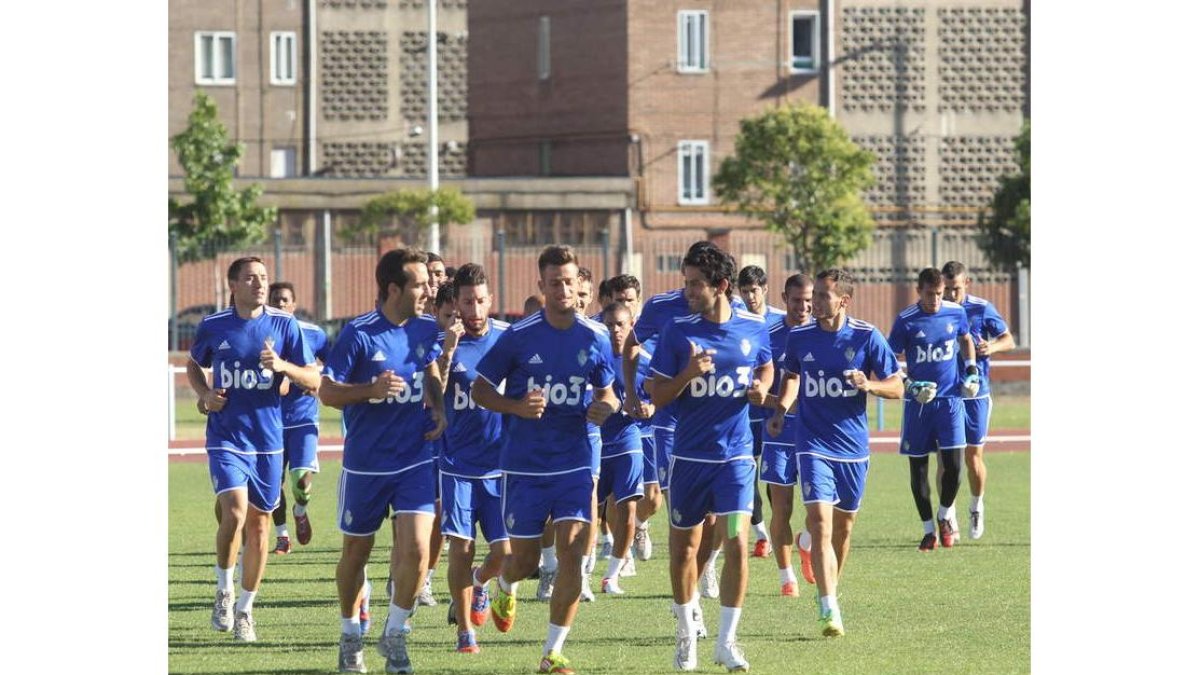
(706, 559)
(684, 547)
(781, 498)
(977, 477)
(843, 527)
(621, 519)
(820, 520)
(425, 596)
(733, 531)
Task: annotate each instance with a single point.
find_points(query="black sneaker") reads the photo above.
(928, 543)
(450, 618)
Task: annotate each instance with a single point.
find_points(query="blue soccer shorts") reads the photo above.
(979, 416)
(530, 500)
(701, 488)
(937, 425)
(649, 460)
(621, 477)
(664, 442)
(831, 481)
(258, 474)
(756, 432)
(470, 501)
(300, 447)
(779, 454)
(364, 499)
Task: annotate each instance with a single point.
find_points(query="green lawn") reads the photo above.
(953, 611)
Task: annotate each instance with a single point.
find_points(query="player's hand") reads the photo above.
(214, 400)
(388, 383)
(532, 405)
(454, 333)
(439, 424)
(646, 409)
(757, 393)
(857, 379)
(635, 408)
(701, 361)
(775, 424)
(970, 385)
(599, 411)
(200, 406)
(267, 358)
(982, 349)
(922, 391)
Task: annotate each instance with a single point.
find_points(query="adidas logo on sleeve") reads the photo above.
(536, 359)
(378, 356)
(224, 345)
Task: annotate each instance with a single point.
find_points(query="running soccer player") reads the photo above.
(931, 333)
(991, 336)
(713, 363)
(300, 431)
(548, 460)
(244, 432)
(382, 372)
(604, 296)
(752, 286)
(779, 445)
(470, 461)
(834, 356)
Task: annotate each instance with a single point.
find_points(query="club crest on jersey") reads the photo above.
(420, 351)
(347, 518)
(745, 347)
(949, 328)
(849, 353)
(581, 357)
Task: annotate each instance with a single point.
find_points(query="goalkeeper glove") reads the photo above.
(970, 385)
(922, 391)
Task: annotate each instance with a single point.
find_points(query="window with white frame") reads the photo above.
(693, 41)
(215, 60)
(693, 172)
(283, 58)
(806, 41)
(283, 162)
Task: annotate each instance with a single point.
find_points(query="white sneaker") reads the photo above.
(243, 628)
(545, 584)
(698, 619)
(641, 542)
(685, 650)
(611, 587)
(730, 655)
(977, 524)
(709, 588)
(589, 565)
(222, 614)
(425, 597)
(628, 569)
(585, 590)
(954, 528)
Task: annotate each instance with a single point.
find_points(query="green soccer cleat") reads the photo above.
(555, 663)
(504, 610)
(831, 624)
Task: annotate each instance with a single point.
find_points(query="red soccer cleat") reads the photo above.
(762, 548)
(789, 590)
(947, 533)
(303, 528)
(283, 545)
(806, 568)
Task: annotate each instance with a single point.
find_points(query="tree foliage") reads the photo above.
(797, 171)
(218, 215)
(404, 210)
(1004, 226)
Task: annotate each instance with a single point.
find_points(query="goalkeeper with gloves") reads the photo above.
(931, 334)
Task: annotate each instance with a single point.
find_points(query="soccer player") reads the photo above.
(470, 461)
(713, 362)
(604, 295)
(438, 280)
(548, 460)
(834, 356)
(300, 430)
(991, 336)
(533, 304)
(931, 333)
(244, 432)
(382, 372)
(779, 445)
(584, 296)
(752, 286)
(436, 266)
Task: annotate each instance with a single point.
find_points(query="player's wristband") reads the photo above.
(969, 363)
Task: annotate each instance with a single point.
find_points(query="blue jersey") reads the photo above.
(832, 411)
(986, 324)
(252, 420)
(474, 434)
(620, 432)
(714, 419)
(385, 435)
(532, 353)
(775, 326)
(929, 343)
(779, 339)
(300, 407)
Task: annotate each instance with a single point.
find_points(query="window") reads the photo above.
(543, 49)
(283, 162)
(215, 57)
(283, 58)
(693, 41)
(806, 41)
(693, 172)
(665, 263)
(544, 149)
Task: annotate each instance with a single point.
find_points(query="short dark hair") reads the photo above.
(558, 255)
(235, 268)
(445, 294)
(451, 271)
(714, 264)
(604, 290)
(614, 307)
(584, 274)
(841, 279)
(953, 269)
(622, 282)
(390, 269)
(281, 286)
(433, 257)
(930, 276)
(752, 275)
(470, 274)
(797, 281)
(697, 246)
(533, 303)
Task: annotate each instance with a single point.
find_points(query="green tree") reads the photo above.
(798, 172)
(218, 215)
(1004, 225)
(395, 213)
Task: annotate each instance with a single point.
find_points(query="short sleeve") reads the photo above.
(295, 348)
(964, 324)
(896, 339)
(604, 373)
(667, 359)
(433, 349)
(993, 323)
(647, 324)
(880, 357)
(201, 351)
(763, 357)
(320, 345)
(497, 362)
(789, 362)
(344, 355)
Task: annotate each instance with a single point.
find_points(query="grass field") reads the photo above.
(952, 611)
(1008, 412)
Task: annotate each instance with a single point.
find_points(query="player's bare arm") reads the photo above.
(212, 399)
(1002, 343)
(604, 403)
(891, 387)
(789, 387)
(760, 388)
(629, 361)
(434, 390)
(530, 406)
(339, 394)
(308, 376)
(454, 333)
(667, 389)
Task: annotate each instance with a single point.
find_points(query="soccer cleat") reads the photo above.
(451, 617)
(641, 543)
(685, 650)
(364, 612)
(303, 528)
(611, 587)
(945, 533)
(709, 588)
(585, 590)
(425, 597)
(545, 584)
(222, 614)
(283, 545)
(504, 610)
(628, 568)
(806, 568)
(789, 590)
(467, 643)
(480, 603)
(555, 663)
(976, 524)
(243, 628)
(393, 646)
(954, 530)
(698, 619)
(605, 550)
(350, 654)
(730, 655)
(928, 542)
(762, 548)
(831, 624)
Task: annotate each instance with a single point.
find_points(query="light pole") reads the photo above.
(435, 230)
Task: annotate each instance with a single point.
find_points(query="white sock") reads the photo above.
(830, 603)
(727, 634)
(224, 579)
(281, 530)
(397, 616)
(511, 589)
(475, 577)
(555, 638)
(639, 523)
(806, 540)
(928, 526)
(760, 531)
(245, 601)
(584, 566)
(549, 559)
(683, 615)
(351, 626)
(605, 538)
(299, 510)
(712, 557)
(786, 574)
(695, 596)
(977, 503)
(614, 567)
